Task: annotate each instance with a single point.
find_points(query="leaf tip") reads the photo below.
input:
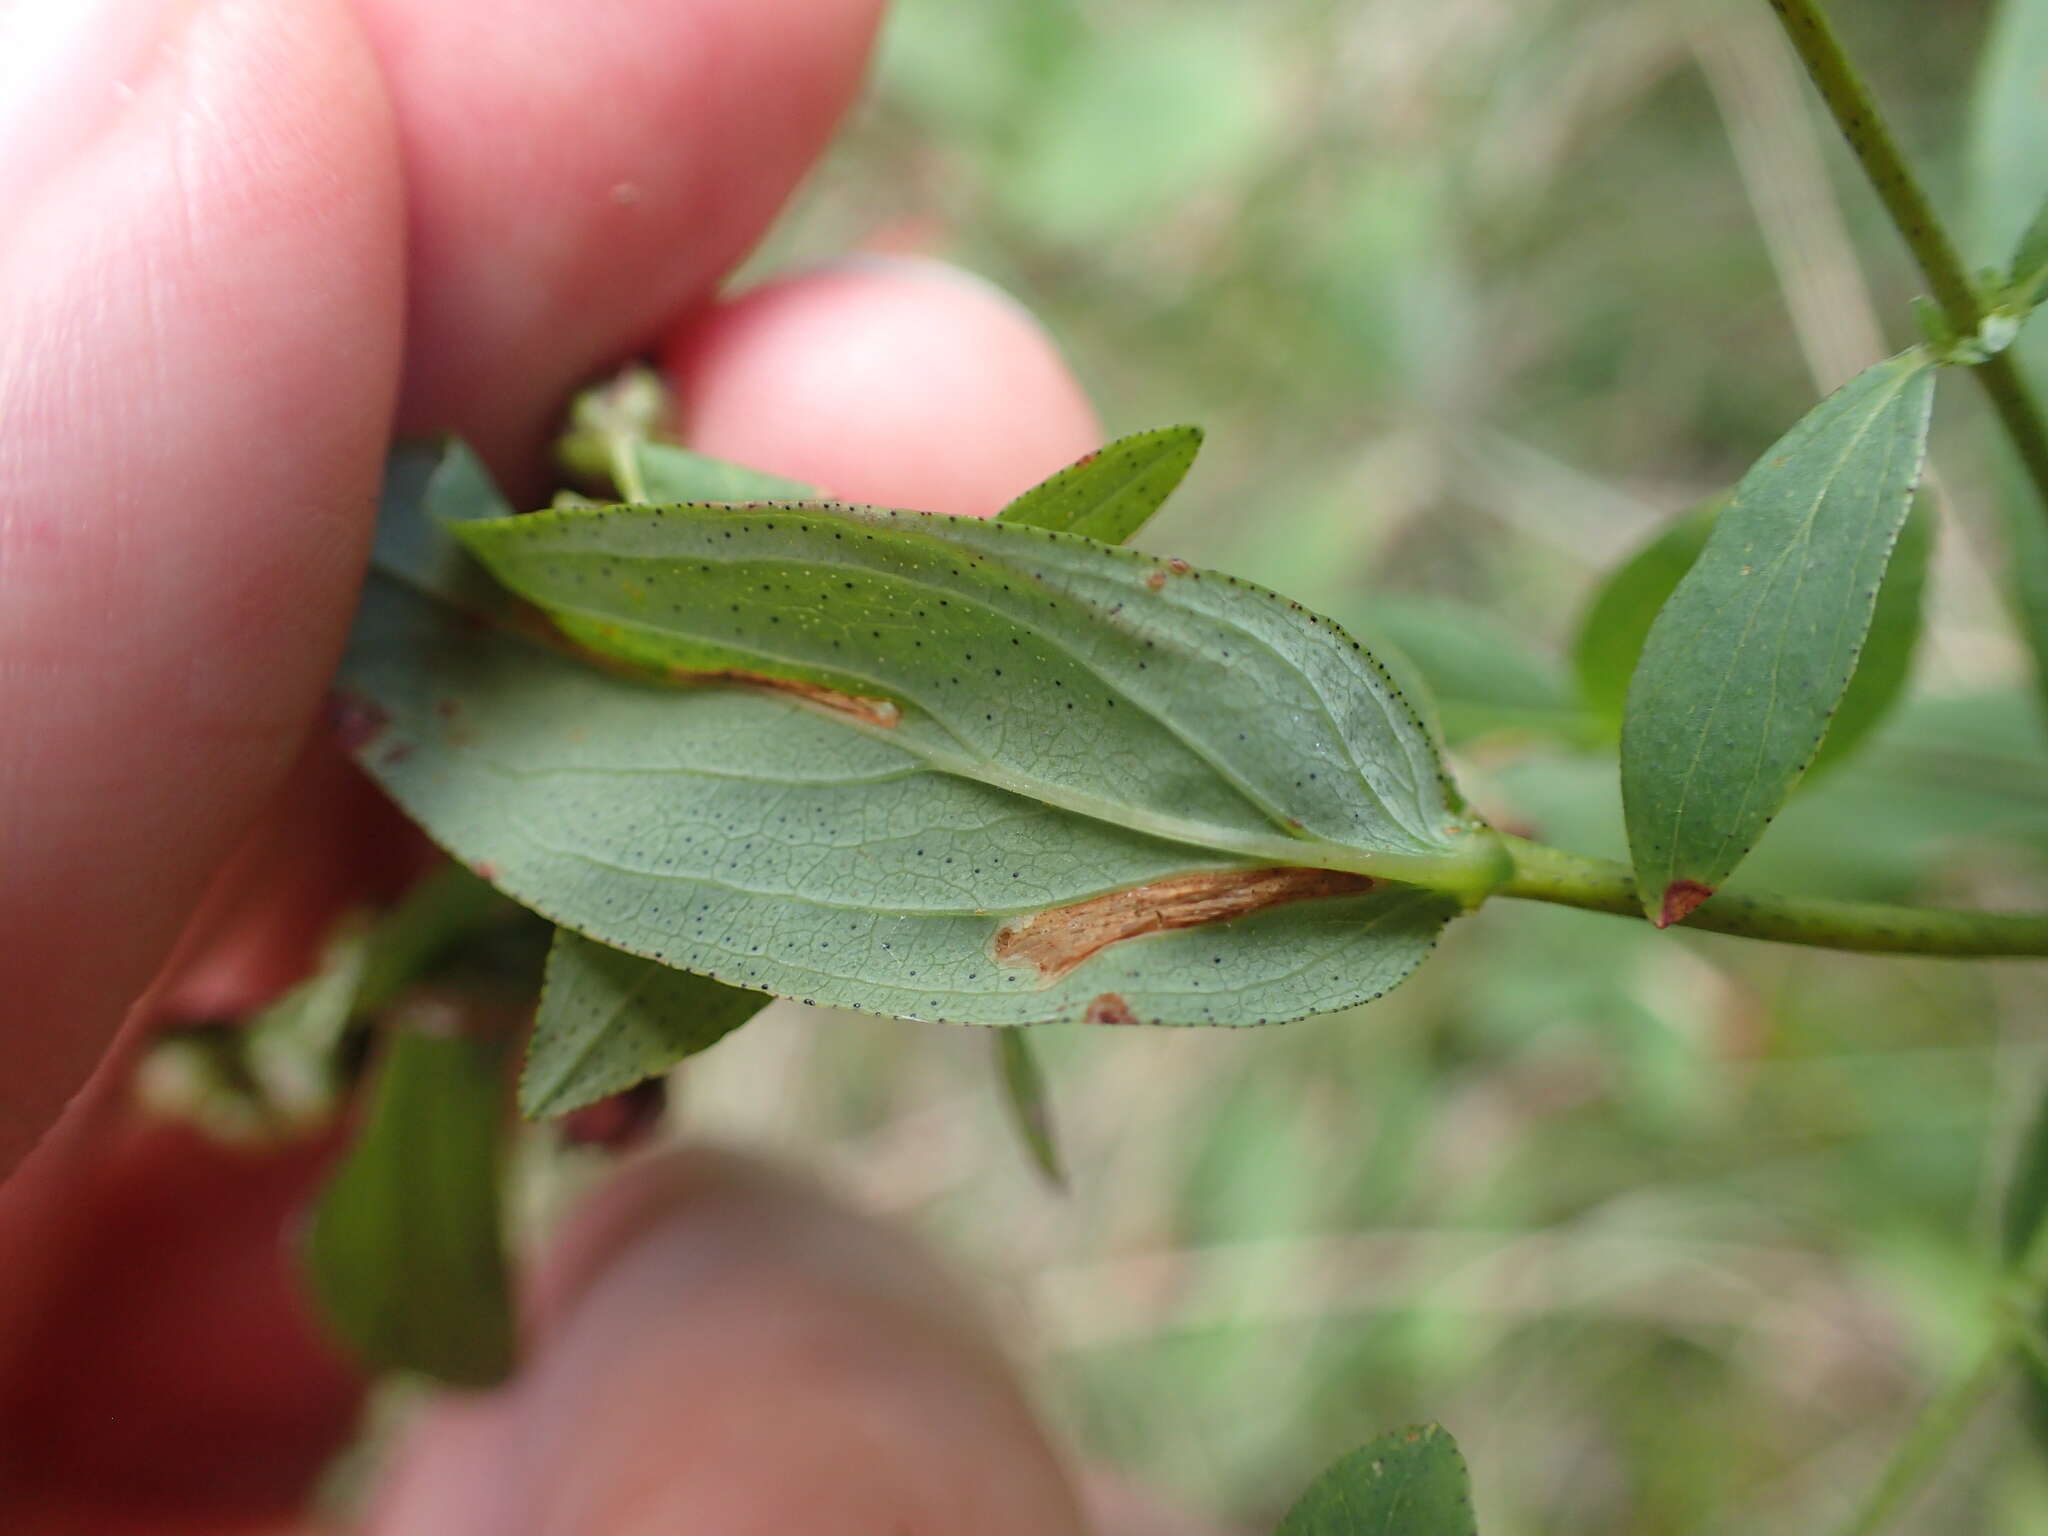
(1681, 899)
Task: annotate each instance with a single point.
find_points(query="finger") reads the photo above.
(902, 383)
(199, 327)
(577, 174)
(726, 1348)
(159, 1368)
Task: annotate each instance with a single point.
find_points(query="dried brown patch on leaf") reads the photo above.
(1055, 941)
(1109, 1009)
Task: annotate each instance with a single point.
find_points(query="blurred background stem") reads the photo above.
(1856, 113)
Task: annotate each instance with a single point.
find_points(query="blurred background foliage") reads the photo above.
(1473, 296)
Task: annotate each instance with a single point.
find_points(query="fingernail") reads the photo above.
(69, 69)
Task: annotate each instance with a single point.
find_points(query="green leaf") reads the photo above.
(609, 1020)
(2021, 1229)
(1747, 662)
(1482, 678)
(1109, 494)
(2029, 534)
(1030, 1105)
(1887, 660)
(437, 485)
(2029, 276)
(2009, 123)
(670, 473)
(2006, 183)
(1411, 1482)
(943, 866)
(2026, 1196)
(406, 1255)
(1618, 620)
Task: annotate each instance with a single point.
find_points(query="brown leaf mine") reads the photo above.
(883, 712)
(1682, 898)
(1055, 941)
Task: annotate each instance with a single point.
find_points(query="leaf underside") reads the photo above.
(1149, 724)
(610, 1020)
(1411, 1482)
(1747, 662)
(405, 1252)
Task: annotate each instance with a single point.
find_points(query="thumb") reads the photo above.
(200, 300)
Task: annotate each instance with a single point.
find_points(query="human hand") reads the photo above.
(245, 240)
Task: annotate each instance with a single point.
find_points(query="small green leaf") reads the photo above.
(1109, 494)
(609, 1020)
(669, 473)
(606, 421)
(1029, 1103)
(1618, 620)
(444, 484)
(1411, 1482)
(1747, 662)
(406, 1254)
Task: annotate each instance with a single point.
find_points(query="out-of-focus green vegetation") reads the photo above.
(1472, 296)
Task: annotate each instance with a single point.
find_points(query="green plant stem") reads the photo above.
(1947, 1414)
(1601, 885)
(1855, 112)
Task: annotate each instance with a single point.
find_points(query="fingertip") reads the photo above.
(903, 383)
(728, 1348)
(202, 296)
(576, 173)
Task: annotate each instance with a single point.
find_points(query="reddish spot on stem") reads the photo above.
(1156, 580)
(485, 869)
(1178, 566)
(1682, 898)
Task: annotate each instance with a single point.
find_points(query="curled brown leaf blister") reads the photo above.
(1055, 941)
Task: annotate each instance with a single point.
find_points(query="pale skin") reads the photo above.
(247, 241)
